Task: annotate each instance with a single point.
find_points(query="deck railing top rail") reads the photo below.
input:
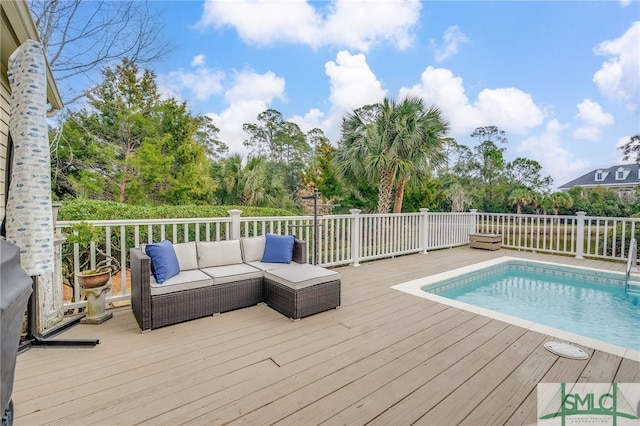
(133, 222)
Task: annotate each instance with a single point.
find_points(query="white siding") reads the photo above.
(5, 102)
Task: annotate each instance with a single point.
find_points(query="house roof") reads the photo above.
(18, 27)
(609, 177)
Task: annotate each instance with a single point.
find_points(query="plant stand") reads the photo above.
(96, 311)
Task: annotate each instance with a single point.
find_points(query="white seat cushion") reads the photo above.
(267, 266)
(185, 280)
(187, 255)
(230, 273)
(301, 276)
(218, 253)
(252, 248)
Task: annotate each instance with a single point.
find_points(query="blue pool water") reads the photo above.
(590, 303)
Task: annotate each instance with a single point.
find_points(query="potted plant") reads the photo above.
(101, 275)
(83, 234)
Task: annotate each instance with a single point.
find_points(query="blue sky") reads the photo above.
(561, 78)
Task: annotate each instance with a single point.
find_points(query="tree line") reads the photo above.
(130, 145)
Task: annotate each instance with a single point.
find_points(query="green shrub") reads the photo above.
(83, 209)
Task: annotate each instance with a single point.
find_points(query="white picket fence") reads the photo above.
(353, 238)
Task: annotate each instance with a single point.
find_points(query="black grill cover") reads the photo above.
(15, 289)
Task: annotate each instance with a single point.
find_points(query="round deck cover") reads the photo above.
(566, 350)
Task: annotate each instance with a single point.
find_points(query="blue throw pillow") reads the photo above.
(164, 262)
(278, 248)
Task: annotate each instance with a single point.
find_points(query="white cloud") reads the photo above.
(198, 60)
(264, 21)
(592, 113)
(546, 148)
(625, 3)
(361, 24)
(508, 108)
(249, 86)
(352, 85)
(345, 23)
(594, 118)
(451, 38)
(202, 82)
(618, 154)
(588, 133)
(311, 120)
(352, 82)
(250, 94)
(619, 77)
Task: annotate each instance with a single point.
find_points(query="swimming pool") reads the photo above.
(585, 302)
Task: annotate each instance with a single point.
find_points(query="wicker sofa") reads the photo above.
(216, 277)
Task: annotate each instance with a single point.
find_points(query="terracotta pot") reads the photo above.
(92, 279)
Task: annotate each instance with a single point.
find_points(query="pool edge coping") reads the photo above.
(414, 287)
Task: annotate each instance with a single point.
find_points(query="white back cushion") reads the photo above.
(252, 248)
(218, 253)
(187, 255)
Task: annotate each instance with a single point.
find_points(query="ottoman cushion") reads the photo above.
(301, 276)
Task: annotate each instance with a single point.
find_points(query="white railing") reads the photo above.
(449, 229)
(355, 237)
(609, 237)
(545, 233)
(579, 235)
(342, 239)
(121, 235)
(388, 235)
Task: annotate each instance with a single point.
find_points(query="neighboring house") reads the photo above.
(624, 179)
(17, 27)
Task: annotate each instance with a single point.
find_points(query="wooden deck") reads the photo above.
(384, 358)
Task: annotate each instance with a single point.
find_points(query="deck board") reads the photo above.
(367, 374)
(443, 374)
(385, 357)
(512, 392)
(562, 370)
(475, 390)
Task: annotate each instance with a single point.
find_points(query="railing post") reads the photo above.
(580, 237)
(355, 236)
(235, 224)
(474, 213)
(424, 226)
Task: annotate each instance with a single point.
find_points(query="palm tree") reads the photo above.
(229, 177)
(559, 200)
(263, 183)
(538, 202)
(520, 197)
(419, 144)
(391, 144)
(258, 182)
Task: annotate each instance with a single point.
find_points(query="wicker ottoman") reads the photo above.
(302, 290)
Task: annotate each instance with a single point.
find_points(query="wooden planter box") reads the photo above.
(485, 241)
